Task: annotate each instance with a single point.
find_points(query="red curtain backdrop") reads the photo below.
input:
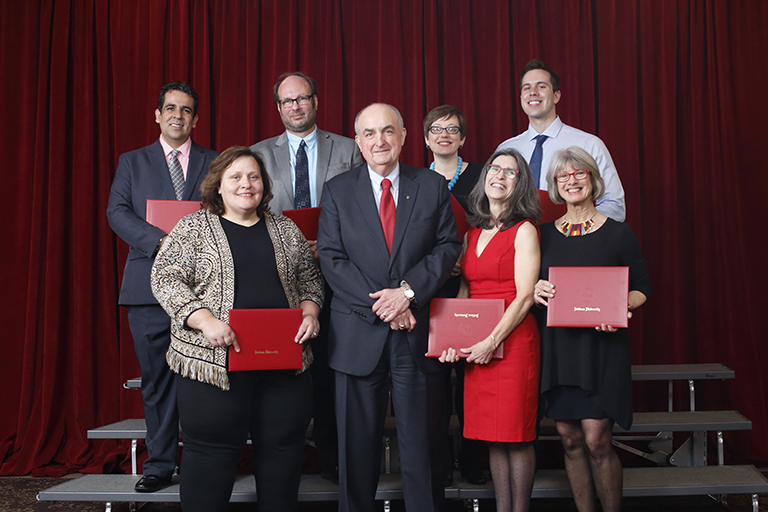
(672, 87)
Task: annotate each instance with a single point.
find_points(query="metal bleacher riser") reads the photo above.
(691, 476)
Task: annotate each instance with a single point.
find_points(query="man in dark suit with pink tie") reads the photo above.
(387, 242)
(173, 167)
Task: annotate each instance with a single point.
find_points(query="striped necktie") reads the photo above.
(177, 175)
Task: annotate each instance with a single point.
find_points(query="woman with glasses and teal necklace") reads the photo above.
(445, 131)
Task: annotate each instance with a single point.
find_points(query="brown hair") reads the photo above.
(523, 204)
(445, 111)
(210, 187)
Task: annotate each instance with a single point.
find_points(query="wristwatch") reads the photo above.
(407, 290)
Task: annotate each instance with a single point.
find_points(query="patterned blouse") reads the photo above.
(194, 269)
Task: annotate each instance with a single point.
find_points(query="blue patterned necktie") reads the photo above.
(177, 175)
(536, 159)
(302, 198)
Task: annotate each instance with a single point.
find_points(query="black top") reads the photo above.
(460, 191)
(466, 183)
(598, 362)
(257, 283)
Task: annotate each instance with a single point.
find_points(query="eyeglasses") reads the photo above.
(564, 176)
(508, 171)
(302, 100)
(437, 130)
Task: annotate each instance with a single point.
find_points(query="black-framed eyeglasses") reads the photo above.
(437, 130)
(302, 100)
(564, 176)
(509, 172)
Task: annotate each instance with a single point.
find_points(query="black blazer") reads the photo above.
(355, 261)
(143, 174)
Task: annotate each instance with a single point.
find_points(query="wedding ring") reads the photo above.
(538, 293)
(402, 326)
(314, 335)
(383, 317)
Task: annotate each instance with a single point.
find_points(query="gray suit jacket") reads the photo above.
(355, 261)
(143, 174)
(335, 154)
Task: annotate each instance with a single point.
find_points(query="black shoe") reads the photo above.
(333, 476)
(151, 483)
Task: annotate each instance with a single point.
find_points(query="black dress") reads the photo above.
(596, 365)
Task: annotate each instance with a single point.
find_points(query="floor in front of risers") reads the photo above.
(18, 494)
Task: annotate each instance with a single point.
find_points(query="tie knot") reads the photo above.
(385, 185)
(175, 153)
(303, 144)
(540, 139)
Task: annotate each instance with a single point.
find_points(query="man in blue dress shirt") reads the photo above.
(547, 134)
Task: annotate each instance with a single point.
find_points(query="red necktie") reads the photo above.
(387, 212)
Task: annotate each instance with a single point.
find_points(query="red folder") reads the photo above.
(166, 213)
(266, 339)
(460, 323)
(461, 217)
(551, 210)
(306, 219)
(588, 296)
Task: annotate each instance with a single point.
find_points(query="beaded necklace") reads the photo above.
(579, 229)
(455, 176)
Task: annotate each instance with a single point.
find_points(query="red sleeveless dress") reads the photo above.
(500, 398)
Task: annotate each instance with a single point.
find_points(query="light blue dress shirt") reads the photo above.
(561, 136)
(311, 149)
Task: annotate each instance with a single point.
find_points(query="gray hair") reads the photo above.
(579, 159)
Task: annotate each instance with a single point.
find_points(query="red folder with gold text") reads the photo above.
(266, 339)
(588, 296)
(461, 323)
(306, 219)
(166, 213)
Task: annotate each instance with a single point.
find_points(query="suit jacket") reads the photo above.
(143, 174)
(335, 154)
(355, 261)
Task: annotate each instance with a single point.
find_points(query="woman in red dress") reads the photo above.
(501, 260)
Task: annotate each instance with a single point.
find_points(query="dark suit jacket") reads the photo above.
(355, 261)
(143, 174)
(335, 154)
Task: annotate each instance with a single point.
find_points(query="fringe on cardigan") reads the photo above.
(198, 370)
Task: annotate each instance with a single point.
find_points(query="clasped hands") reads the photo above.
(392, 306)
(479, 353)
(544, 290)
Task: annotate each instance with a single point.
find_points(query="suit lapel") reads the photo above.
(160, 168)
(283, 165)
(197, 161)
(324, 147)
(406, 198)
(367, 202)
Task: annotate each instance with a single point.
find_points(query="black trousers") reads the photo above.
(361, 404)
(274, 406)
(151, 331)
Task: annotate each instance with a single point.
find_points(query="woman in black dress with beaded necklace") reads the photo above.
(236, 254)
(445, 131)
(586, 381)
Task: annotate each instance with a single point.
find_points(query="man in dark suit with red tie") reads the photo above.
(173, 167)
(387, 242)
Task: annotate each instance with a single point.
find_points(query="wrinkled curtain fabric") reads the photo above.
(672, 87)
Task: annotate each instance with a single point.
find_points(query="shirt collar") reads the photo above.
(295, 140)
(376, 178)
(552, 130)
(184, 149)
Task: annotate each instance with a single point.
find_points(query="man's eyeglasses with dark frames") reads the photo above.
(302, 100)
